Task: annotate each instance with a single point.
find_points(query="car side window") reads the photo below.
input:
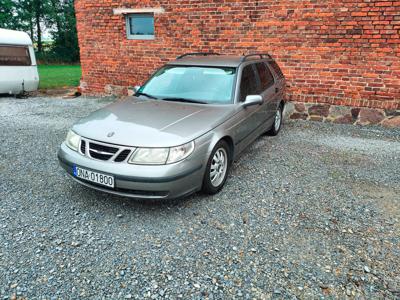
(248, 83)
(276, 68)
(266, 78)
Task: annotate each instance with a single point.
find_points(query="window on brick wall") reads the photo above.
(140, 26)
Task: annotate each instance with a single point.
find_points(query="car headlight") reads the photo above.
(161, 156)
(72, 140)
(179, 153)
(149, 156)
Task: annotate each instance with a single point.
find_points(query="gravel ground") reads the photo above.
(312, 213)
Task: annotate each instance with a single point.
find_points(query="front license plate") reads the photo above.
(95, 177)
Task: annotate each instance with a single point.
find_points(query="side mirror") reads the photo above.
(253, 100)
(136, 88)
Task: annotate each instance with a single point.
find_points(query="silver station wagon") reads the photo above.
(181, 131)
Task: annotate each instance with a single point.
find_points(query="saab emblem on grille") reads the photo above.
(111, 134)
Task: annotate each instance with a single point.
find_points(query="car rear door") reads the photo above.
(267, 91)
(280, 83)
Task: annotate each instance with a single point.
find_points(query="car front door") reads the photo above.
(249, 117)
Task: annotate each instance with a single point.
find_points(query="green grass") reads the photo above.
(55, 76)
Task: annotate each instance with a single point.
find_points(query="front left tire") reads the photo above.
(218, 166)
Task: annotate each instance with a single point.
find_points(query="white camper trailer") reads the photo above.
(18, 69)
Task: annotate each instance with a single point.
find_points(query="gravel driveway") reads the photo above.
(311, 213)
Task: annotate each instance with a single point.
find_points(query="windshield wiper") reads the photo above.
(178, 99)
(144, 94)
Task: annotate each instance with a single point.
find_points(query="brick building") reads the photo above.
(333, 52)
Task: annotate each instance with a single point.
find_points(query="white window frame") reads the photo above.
(139, 36)
(128, 12)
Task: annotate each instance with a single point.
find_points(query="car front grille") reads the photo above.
(122, 156)
(103, 148)
(83, 147)
(99, 156)
(104, 152)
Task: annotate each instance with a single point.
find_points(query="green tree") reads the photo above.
(63, 22)
(33, 16)
(25, 15)
(6, 13)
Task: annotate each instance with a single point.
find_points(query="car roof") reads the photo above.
(209, 61)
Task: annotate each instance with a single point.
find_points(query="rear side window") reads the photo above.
(266, 78)
(276, 68)
(14, 56)
(248, 84)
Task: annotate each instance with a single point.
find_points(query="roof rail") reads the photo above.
(197, 54)
(261, 55)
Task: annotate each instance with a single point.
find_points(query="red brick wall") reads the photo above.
(340, 52)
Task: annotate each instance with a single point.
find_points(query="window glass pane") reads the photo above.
(141, 24)
(14, 56)
(276, 68)
(266, 78)
(248, 84)
(206, 84)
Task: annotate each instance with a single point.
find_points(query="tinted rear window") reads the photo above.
(14, 56)
(276, 68)
(266, 77)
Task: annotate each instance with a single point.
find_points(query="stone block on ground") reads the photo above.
(346, 119)
(392, 122)
(316, 118)
(355, 112)
(369, 116)
(339, 111)
(299, 107)
(319, 110)
(289, 109)
(298, 116)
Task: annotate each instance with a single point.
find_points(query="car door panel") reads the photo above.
(280, 83)
(248, 117)
(268, 90)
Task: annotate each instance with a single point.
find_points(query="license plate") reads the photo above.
(95, 177)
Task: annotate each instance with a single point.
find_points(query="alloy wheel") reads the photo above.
(278, 120)
(219, 167)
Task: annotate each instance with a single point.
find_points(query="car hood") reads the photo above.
(152, 123)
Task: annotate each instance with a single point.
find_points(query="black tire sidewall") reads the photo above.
(208, 188)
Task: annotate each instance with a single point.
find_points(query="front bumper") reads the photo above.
(139, 181)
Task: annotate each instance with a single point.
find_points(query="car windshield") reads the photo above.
(191, 84)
